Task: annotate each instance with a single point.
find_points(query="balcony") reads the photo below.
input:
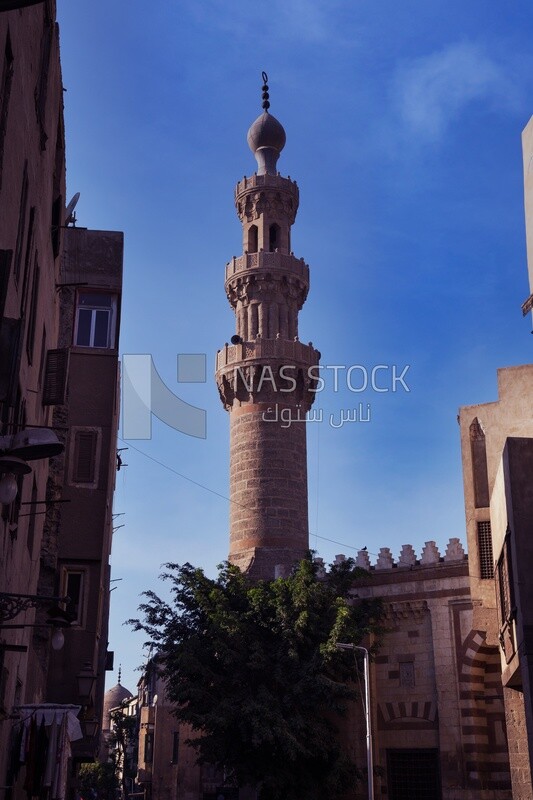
(291, 352)
(266, 260)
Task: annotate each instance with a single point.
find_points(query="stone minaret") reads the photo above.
(266, 376)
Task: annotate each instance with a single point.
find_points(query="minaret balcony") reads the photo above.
(271, 181)
(267, 350)
(265, 260)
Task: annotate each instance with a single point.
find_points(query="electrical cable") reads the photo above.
(219, 494)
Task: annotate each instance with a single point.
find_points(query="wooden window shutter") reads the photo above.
(10, 352)
(55, 379)
(85, 457)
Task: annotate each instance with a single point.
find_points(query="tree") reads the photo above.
(254, 668)
(122, 739)
(97, 781)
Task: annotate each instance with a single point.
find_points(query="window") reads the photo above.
(95, 320)
(23, 210)
(30, 251)
(273, 242)
(5, 91)
(55, 377)
(74, 588)
(85, 451)
(32, 316)
(407, 674)
(5, 268)
(148, 747)
(175, 746)
(41, 89)
(484, 548)
(10, 352)
(55, 230)
(252, 239)
(413, 775)
(479, 464)
(504, 582)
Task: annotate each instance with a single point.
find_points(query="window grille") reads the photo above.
(504, 583)
(407, 674)
(484, 546)
(413, 775)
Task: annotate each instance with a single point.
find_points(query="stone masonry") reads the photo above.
(265, 376)
(437, 697)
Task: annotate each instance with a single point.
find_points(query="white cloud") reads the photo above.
(434, 90)
(304, 20)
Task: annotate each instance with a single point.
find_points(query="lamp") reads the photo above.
(91, 727)
(58, 639)
(29, 444)
(11, 466)
(12, 604)
(86, 680)
(368, 712)
(8, 488)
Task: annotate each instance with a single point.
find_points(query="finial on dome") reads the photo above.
(265, 95)
(266, 137)
(119, 672)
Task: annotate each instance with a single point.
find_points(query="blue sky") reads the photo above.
(403, 125)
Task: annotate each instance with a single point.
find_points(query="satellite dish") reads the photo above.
(69, 212)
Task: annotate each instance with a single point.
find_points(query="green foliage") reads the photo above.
(123, 736)
(254, 668)
(97, 781)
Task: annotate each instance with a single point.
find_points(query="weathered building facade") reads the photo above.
(496, 444)
(437, 699)
(59, 308)
(32, 193)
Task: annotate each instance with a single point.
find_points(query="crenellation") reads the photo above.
(408, 560)
(430, 553)
(454, 550)
(407, 556)
(385, 560)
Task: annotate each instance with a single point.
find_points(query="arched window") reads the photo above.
(273, 237)
(479, 464)
(252, 239)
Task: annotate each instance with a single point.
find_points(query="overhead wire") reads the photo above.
(223, 496)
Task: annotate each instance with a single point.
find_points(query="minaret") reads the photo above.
(266, 376)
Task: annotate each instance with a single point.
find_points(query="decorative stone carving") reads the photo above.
(454, 551)
(320, 568)
(430, 554)
(385, 560)
(407, 556)
(413, 609)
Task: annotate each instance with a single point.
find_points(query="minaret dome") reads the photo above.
(266, 137)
